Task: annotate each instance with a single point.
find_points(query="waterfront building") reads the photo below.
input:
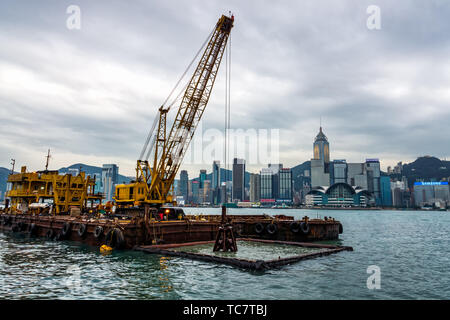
(202, 177)
(195, 187)
(285, 185)
(430, 193)
(338, 171)
(399, 191)
(339, 195)
(181, 201)
(275, 168)
(373, 173)
(389, 170)
(223, 192)
(266, 184)
(215, 185)
(356, 175)
(110, 177)
(206, 196)
(255, 187)
(398, 169)
(238, 192)
(386, 193)
(184, 185)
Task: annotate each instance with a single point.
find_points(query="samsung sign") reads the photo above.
(445, 183)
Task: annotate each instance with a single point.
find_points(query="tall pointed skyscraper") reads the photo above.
(320, 163)
(321, 147)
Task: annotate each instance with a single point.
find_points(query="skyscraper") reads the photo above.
(202, 177)
(184, 184)
(238, 179)
(255, 187)
(215, 186)
(215, 175)
(276, 168)
(266, 184)
(285, 183)
(320, 172)
(195, 187)
(110, 177)
(386, 194)
(373, 172)
(321, 147)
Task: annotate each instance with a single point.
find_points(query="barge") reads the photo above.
(138, 231)
(55, 206)
(66, 207)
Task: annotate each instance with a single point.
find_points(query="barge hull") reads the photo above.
(138, 231)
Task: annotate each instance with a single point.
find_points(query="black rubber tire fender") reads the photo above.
(271, 228)
(82, 228)
(32, 230)
(15, 228)
(21, 225)
(259, 228)
(294, 227)
(304, 227)
(115, 239)
(50, 234)
(67, 227)
(341, 228)
(120, 239)
(98, 232)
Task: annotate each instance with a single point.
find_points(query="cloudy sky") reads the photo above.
(90, 95)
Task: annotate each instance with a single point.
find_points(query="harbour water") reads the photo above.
(411, 249)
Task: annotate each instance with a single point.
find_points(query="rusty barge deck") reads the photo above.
(128, 234)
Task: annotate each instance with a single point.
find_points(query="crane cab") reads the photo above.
(169, 214)
(130, 194)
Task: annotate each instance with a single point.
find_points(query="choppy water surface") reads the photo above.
(411, 248)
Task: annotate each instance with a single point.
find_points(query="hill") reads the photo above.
(427, 168)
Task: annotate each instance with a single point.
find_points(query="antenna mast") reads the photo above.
(13, 162)
(48, 158)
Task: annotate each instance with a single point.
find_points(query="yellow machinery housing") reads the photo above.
(31, 190)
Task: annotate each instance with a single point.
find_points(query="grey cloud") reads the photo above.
(383, 91)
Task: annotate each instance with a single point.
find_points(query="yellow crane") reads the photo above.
(154, 181)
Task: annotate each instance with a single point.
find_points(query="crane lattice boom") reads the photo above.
(154, 183)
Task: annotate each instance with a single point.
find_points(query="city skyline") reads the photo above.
(101, 90)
